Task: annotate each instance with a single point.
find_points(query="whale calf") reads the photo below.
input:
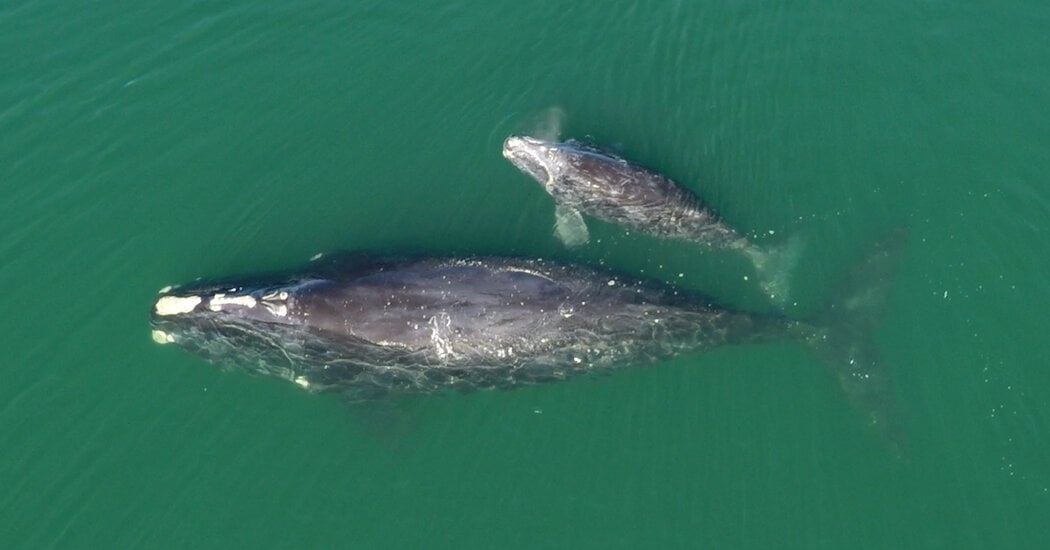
(368, 326)
(586, 179)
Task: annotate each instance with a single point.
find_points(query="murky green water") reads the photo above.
(147, 145)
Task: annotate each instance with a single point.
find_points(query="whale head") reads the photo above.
(535, 157)
(246, 325)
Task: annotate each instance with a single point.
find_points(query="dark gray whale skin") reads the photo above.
(596, 182)
(586, 179)
(368, 326)
(374, 326)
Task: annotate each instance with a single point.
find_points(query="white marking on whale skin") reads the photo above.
(528, 272)
(274, 303)
(549, 184)
(161, 337)
(219, 300)
(442, 343)
(174, 305)
(277, 310)
(302, 381)
(165, 290)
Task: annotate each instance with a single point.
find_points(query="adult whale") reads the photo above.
(586, 179)
(367, 326)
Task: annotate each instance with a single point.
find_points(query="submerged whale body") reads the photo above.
(586, 179)
(367, 326)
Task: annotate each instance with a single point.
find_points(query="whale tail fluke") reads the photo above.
(774, 267)
(841, 337)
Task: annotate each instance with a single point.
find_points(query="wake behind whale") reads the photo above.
(368, 326)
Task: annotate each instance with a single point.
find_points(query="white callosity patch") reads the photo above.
(161, 337)
(302, 381)
(274, 302)
(277, 310)
(173, 305)
(219, 300)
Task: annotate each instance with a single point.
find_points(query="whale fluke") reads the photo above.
(841, 337)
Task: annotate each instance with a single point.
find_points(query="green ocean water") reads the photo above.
(151, 143)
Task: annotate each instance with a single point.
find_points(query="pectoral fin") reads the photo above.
(569, 226)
